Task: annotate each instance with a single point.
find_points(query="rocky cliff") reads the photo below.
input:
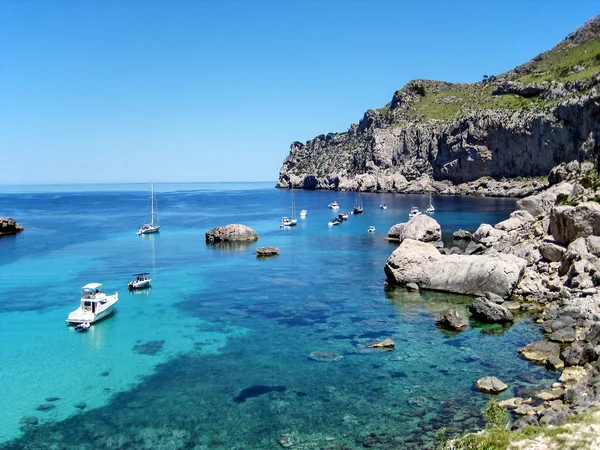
(467, 138)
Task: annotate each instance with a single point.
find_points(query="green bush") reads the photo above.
(495, 416)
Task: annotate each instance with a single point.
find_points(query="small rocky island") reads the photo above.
(231, 233)
(9, 226)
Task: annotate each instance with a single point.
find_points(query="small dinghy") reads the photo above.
(83, 327)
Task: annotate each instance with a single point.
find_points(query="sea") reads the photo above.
(229, 351)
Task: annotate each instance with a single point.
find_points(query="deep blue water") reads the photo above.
(216, 355)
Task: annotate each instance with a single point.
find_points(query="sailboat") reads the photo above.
(290, 221)
(154, 225)
(358, 207)
(430, 209)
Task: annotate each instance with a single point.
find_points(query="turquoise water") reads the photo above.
(216, 355)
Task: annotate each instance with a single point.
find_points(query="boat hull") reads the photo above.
(148, 230)
(134, 285)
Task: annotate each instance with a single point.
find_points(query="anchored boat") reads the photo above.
(94, 305)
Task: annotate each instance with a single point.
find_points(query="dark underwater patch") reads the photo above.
(256, 391)
(398, 374)
(149, 348)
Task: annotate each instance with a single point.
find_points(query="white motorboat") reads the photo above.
(333, 205)
(154, 225)
(334, 222)
(342, 217)
(142, 281)
(371, 229)
(414, 211)
(95, 305)
(383, 206)
(303, 213)
(430, 209)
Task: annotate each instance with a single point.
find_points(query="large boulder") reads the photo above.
(231, 233)
(540, 352)
(451, 319)
(568, 223)
(491, 385)
(420, 228)
(421, 263)
(517, 218)
(543, 202)
(488, 311)
(8, 225)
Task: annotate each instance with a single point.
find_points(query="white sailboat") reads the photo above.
(154, 225)
(290, 221)
(430, 209)
(358, 207)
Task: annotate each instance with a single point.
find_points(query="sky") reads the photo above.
(111, 91)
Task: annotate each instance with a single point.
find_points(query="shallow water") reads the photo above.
(217, 354)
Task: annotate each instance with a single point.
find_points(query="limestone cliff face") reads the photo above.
(433, 136)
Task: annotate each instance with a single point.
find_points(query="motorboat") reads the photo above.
(141, 281)
(333, 205)
(383, 206)
(342, 217)
(414, 211)
(303, 213)
(371, 229)
(334, 222)
(94, 305)
(154, 225)
(430, 209)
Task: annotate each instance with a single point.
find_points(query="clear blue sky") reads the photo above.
(175, 90)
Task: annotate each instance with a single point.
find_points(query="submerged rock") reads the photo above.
(149, 348)
(324, 356)
(229, 233)
(256, 391)
(46, 407)
(385, 344)
(29, 420)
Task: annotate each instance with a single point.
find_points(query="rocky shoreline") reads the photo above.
(550, 248)
(478, 138)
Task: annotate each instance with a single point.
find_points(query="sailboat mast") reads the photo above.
(152, 201)
(293, 204)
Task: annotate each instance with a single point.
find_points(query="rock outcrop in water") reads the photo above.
(475, 138)
(421, 263)
(231, 233)
(8, 225)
